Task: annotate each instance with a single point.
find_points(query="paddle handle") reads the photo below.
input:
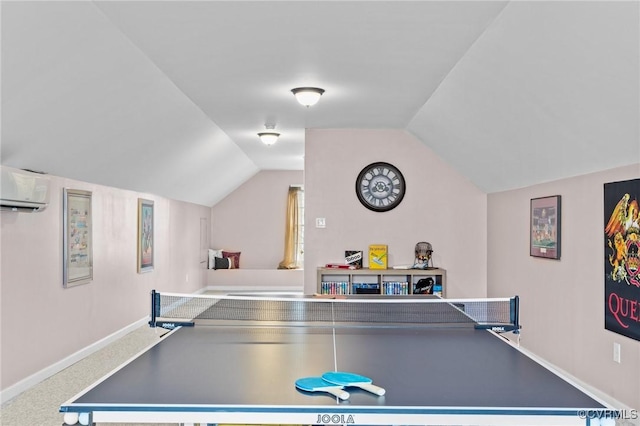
(340, 393)
(370, 387)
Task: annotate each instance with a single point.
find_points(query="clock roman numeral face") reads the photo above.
(380, 187)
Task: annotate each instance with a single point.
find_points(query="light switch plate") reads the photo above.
(616, 352)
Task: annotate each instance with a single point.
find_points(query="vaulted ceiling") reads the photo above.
(166, 97)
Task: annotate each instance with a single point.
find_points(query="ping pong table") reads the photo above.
(235, 359)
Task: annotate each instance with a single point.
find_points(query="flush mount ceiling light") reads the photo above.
(307, 96)
(270, 136)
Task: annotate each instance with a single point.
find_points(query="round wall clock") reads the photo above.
(380, 187)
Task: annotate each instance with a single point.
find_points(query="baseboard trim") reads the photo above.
(25, 384)
(593, 392)
(259, 289)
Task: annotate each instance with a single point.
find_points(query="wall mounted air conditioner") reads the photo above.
(23, 191)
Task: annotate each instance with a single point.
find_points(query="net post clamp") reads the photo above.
(498, 328)
(170, 325)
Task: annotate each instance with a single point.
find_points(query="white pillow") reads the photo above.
(212, 255)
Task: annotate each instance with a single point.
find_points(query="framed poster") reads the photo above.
(145, 235)
(77, 238)
(545, 227)
(622, 258)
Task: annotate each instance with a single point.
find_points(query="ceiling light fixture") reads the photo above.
(269, 137)
(307, 96)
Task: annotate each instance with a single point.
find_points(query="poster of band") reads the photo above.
(622, 258)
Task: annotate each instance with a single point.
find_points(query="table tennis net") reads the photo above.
(170, 310)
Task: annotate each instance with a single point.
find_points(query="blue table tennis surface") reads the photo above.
(246, 374)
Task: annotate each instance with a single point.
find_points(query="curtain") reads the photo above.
(291, 231)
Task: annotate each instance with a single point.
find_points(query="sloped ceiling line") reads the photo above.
(452, 69)
(161, 96)
(154, 63)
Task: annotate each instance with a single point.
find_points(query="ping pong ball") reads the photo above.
(70, 418)
(83, 419)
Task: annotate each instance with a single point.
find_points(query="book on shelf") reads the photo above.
(437, 290)
(366, 288)
(367, 285)
(378, 256)
(334, 287)
(396, 287)
(339, 266)
(353, 258)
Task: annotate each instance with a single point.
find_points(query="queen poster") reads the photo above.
(622, 258)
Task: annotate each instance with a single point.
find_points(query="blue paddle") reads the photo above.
(351, 379)
(317, 384)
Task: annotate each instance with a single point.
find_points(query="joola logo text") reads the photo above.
(335, 419)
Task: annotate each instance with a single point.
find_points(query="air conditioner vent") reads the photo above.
(23, 191)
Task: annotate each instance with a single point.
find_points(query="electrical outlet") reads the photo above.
(321, 222)
(616, 352)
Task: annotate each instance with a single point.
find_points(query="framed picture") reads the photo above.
(145, 235)
(621, 250)
(545, 227)
(77, 238)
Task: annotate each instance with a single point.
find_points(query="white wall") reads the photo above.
(252, 219)
(481, 240)
(41, 322)
(439, 206)
(562, 302)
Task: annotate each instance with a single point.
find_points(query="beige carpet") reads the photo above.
(39, 405)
